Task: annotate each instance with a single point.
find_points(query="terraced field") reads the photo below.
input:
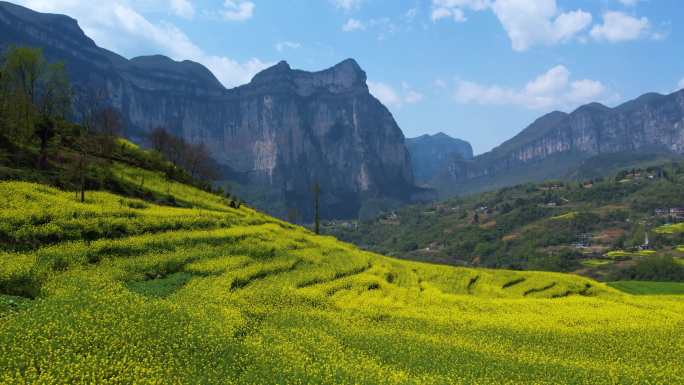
(210, 294)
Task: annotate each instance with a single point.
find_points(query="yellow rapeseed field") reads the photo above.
(120, 291)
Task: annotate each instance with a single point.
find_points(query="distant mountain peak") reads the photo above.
(281, 67)
(348, 64)
(57, 23)
(273, 73)
(592, 107)
(346, 75)
(186, 69)
(430, 153)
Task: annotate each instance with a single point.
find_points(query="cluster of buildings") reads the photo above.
(676, 214)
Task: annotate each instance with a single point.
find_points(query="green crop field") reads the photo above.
(593, 262)
(649, 288)
(625, 254)
(117, 290)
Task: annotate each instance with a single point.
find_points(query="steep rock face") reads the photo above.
(558, 142)
(291, 128)
(281, 133)
(431, 153)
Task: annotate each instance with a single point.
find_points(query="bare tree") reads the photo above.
(108, 126)
(292, 215)
(160, 139)
(199, 162)
(317, 206)
(89, 101)
(195, 159)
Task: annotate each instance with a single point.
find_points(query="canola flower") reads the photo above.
(234, 297)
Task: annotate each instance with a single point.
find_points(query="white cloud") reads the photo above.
(385, 93)
(231, 72)
(538, 22)
(353, 25)
(680, 85)
(237, 10)
(618, 26)
(283, 45)
(453, 9)
(384, 26)
(413, 97)
(552, 89)
(117, 26)
(347, 5)
(183, 8)
(586, 90)
(442, 13)
(527, 22)
(391, 97)
(551, 82)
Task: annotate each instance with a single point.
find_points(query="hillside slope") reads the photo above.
(213, 294)
(594, 227)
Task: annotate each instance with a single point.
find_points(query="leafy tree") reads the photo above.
(22, 69)
(653, 269)
(36, 97)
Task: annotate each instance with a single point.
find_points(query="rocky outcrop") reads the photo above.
(430, 154)
(282, 132)
(557, 143)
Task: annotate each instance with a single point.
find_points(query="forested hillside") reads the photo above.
(603, 228)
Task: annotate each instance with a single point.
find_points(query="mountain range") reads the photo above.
(278, 135)
(574, 145)
(288, 129)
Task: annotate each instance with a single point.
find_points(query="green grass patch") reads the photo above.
(594, 262)
(648, 288)
(566, 216)
(160, 287)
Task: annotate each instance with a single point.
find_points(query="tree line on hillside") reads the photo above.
(38, 108)
(192, 157)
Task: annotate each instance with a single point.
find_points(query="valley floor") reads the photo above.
(218, 295)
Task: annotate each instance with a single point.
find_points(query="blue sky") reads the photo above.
(480, 70)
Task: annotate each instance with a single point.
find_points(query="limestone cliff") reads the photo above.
(280, 133)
